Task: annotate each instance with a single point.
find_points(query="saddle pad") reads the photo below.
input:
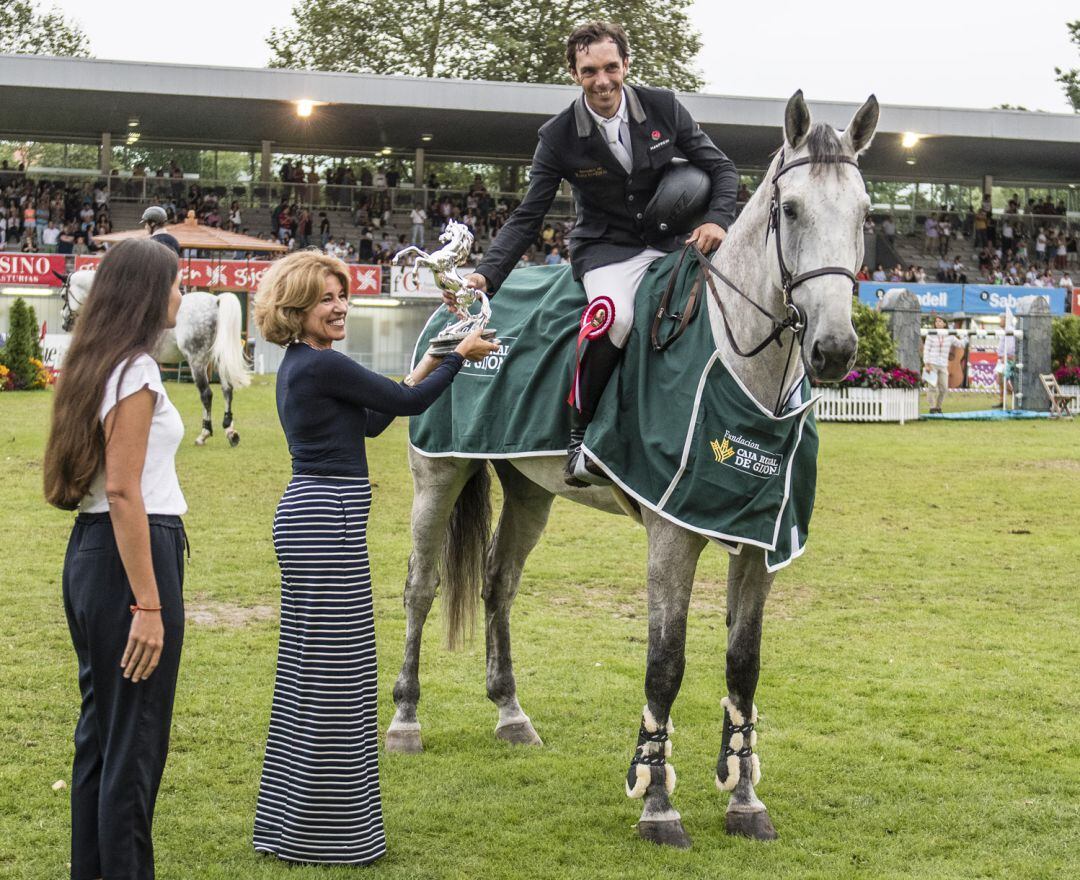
(675, 430)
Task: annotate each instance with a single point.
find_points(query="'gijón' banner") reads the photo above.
(32, 270)
(246, 274)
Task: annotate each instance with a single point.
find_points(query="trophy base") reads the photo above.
(445, 343)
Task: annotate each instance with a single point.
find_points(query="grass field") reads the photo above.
(919, 702)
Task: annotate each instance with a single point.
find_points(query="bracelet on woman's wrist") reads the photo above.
(135, 608)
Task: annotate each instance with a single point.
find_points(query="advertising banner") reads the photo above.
(32, 270)
(932, 297)
(245, 275)
(992, 299)
(981, 369)
(1076, 301)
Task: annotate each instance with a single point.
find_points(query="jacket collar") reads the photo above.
(585, 121)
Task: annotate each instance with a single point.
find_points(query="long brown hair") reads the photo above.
(123, 316)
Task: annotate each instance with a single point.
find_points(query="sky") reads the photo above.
(943, 53)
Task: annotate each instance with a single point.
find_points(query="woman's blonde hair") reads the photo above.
(290, 289)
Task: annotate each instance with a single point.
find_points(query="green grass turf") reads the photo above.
(918, 694)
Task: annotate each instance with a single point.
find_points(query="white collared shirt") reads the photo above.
(623, 116)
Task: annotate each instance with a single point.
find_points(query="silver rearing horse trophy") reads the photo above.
(443, 263)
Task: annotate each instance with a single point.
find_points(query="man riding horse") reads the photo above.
(613, 145)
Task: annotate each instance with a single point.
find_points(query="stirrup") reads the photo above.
(585, 470)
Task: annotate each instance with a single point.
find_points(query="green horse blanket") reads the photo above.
(675, 430)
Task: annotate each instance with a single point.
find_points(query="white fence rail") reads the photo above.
(868, 404)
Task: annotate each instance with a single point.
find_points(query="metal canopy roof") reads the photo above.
(75, 100)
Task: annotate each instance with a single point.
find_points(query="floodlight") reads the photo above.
(909, 139)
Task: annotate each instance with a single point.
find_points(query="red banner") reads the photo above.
(246, 274)
(33, 270)
(1076, 301)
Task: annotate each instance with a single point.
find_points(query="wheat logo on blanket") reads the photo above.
(490, 365)
(745, 455)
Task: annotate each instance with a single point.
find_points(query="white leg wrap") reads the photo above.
(732, 775)
(755, 770)
(669, 778)
(642, 783)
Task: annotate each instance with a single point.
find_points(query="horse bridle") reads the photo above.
(67, 313)
(794, 320)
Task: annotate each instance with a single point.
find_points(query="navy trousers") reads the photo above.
(122, 736)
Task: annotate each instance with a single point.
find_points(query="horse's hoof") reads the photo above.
(669, 832)
(756, 825)
(234, 439)
(200, 441)
(405, 741)
(519, 733)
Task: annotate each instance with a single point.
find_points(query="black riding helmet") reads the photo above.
(680, 201)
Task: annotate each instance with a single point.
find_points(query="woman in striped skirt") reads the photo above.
(319, 795)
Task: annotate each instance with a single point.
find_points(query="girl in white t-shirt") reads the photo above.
(111, 455)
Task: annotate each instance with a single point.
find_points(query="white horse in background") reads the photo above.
(208, 334)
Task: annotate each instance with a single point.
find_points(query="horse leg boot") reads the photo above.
(438, 482)
(597, 364)
(673, 555)
(737, 768)
(227, 421)
(524, 515)
(206, 395)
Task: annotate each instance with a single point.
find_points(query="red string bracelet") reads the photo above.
(135, 608)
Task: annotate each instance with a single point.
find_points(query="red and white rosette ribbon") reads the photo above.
(596, 320)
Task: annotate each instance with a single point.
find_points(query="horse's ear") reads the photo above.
(796, 121)
(63, 276)
(860, 130)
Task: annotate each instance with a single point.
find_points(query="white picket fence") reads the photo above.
(1074, 392)
(868, 404)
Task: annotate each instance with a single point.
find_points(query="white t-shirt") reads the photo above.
(160, 488)
(50, 236)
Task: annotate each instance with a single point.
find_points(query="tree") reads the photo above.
(498, 40)
(876, 345)
(1070, 79)
(21, 344)
(24, 30)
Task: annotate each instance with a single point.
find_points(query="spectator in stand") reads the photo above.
(50, 238)
(80, 248)
(895, 274)
(944, 235)
(930, 235)
(66, 243)
(235, 218)
(863, 273)
(937, 352)
(980, 228)
(1061, 253)
(959, 270)
(1006, 352)
(29, 222)
(553, 258)
(418, 217)
(1040, 246)
(324, 229)
(879, 274)
(1065, 281)
(888, 229)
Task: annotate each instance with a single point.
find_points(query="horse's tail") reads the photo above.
(228, 344)
(464, 551)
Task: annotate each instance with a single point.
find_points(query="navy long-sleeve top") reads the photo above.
(328, 404)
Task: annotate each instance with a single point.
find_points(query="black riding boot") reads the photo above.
(598, 363)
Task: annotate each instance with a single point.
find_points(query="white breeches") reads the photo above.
(619, 282)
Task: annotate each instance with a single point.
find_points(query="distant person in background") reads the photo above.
(888, 229)
(879, 273)
(937, 351)
(1006, 352)
(418, 218)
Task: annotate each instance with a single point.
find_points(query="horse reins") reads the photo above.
(794, 320)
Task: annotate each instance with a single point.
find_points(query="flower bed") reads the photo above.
(871, 394)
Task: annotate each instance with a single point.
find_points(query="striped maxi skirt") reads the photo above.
(319, 794)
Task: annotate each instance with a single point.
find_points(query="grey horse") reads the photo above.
(821, 204)
(207, 334)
